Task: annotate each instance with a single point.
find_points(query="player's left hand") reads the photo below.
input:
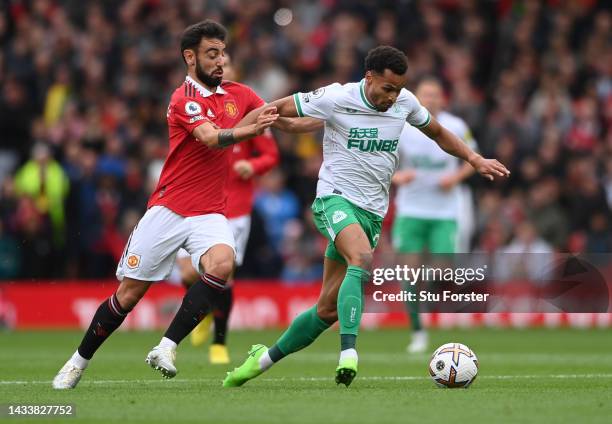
(265, 119)
(489, 168)
(244, 168)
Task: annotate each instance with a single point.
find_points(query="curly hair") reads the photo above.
(386, 57)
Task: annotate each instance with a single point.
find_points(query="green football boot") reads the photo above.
(248, 370)
(346, 371)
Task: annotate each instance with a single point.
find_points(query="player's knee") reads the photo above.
(362, 259)
(221, 267)
(327, 312)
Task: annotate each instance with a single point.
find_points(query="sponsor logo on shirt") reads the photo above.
(366, 140)
(338, 216)
(210, 113)
(426, 162)
(192, 108)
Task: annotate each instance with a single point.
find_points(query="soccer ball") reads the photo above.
(453, 365)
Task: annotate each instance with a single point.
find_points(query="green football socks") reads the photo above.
(350, 305)
(304, 329)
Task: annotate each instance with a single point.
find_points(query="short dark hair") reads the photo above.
(386, 57)
(193, 34)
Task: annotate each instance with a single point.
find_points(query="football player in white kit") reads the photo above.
(363, 123)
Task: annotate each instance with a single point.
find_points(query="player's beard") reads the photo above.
(207, 79)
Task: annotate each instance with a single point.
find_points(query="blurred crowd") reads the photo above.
(84, 88)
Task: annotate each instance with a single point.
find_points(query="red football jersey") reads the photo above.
(262, 152)
(194, 177)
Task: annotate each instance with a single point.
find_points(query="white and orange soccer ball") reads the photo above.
(453, 365)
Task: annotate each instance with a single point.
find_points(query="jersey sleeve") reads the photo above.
(318, 103)
(268, 155)
(188, 114)
(418, 116)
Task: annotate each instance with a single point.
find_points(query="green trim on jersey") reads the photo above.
(427, 121)
(363, 96)
(298, 106)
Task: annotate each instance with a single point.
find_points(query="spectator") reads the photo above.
(91, 80)
(276, 205)
(44, 181)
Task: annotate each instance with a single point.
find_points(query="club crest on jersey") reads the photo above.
(231, 109)
(338, 216)
(192, 108)
(132, 261)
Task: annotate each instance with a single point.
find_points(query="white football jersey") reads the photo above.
(360, 144)
(423, 197)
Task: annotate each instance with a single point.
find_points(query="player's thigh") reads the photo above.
(150, 252)
(354, 246)
(211, 245)
(331, 214)
(337, 219)
(241, 228)
(443, 236)
(410, 235)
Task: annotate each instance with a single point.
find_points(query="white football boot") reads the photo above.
(419, 343)
(162, 359)
(67, 377)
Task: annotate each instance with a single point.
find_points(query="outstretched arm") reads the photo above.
(288, 117)
(298, 125)
(451, 144)
(213, 136)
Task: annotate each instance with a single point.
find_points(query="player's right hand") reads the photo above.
(265, 119)
(489, 168)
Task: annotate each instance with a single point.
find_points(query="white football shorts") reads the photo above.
(151, 249)
(241, 228)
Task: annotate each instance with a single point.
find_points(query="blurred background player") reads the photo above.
(250, 158)
(429, 201)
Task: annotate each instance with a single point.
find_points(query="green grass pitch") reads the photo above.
(538, 375)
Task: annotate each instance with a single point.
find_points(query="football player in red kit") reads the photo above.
(187, 208)
(250, 158)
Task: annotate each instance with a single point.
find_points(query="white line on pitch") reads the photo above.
(367, 378)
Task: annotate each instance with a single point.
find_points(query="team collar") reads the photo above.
(202, 90)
